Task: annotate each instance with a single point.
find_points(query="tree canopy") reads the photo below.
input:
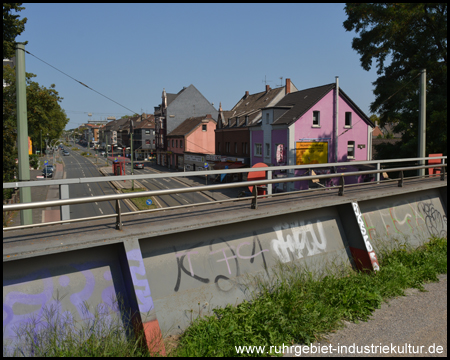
(43, 113)
(12, 27)
(403, 39)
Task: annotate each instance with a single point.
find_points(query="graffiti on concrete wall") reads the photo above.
(227, 260)
(404, 218)
(51, 292)
(298, 239)
(140, 282)
(368, 245)
(436, 222)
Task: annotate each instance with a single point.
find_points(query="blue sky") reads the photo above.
(130, 52)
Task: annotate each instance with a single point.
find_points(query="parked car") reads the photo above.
(47, 172)
(138, 165)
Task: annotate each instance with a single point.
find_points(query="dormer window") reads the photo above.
(267, 118)
(229, 122)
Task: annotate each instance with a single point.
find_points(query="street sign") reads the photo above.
(149, 202)
(46, 162)
(206, 165)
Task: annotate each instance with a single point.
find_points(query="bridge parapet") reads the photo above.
(169, 267)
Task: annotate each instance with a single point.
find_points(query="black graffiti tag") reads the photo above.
(180, 263)
(436, 222)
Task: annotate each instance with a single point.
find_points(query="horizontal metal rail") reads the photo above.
(34, 182)
(83, 200)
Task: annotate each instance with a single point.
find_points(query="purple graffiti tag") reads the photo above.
(16, 297)
(251, 256)
(78, 299)
(189, 259)
(64, 280)
(225, 257)
(144, 296)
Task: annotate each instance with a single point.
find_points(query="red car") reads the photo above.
(138, 165)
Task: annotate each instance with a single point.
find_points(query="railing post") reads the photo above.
(400, 182)
(342, 184)
(64, 194)
(254, 198)
(269, 186)
(443, 173)
(119, 216)
(378, 174)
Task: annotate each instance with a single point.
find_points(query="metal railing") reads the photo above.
(266, 183)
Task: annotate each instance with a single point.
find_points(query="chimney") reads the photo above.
(267, 88)
(246, 95)
(208, 116)
(288, 86)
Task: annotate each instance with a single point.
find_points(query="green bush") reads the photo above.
(34, 161)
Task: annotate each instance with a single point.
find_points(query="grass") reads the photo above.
(141, 202)
(56, 334)
(301, 308)
(296, 306)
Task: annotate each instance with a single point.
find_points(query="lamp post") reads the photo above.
(131, 144)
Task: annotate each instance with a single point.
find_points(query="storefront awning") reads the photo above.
(231, 165)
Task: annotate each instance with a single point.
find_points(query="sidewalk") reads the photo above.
(43, 193)
(417, 319)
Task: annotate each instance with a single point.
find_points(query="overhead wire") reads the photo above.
(135, 112)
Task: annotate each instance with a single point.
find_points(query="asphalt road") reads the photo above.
(77, 166)
(164, 183)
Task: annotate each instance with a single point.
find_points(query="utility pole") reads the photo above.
(336, 129)
(422, 119)
(131, 148)
(26, 216)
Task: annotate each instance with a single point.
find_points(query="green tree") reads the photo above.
(12, 27)
(403, 39)
(43, 113)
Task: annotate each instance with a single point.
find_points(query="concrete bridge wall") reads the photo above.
(167, 280)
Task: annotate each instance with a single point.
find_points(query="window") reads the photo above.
(267, 149)
(181, 143)
(258, 150)
(351, 150)
(172, 142)
(316, 118)
(218, 147)
(227, 147)
(267, 118)
(235, 147)
(176, 143)
(229, 122)
(246, 121)
(147, 132)
(348, 119)
(204, 127)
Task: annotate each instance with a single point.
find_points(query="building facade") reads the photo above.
(305, 124)
(173, 110)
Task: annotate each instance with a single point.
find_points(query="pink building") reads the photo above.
(190, 142)
(304, 122)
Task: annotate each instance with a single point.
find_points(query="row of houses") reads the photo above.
(115, 135)
(280, 126)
